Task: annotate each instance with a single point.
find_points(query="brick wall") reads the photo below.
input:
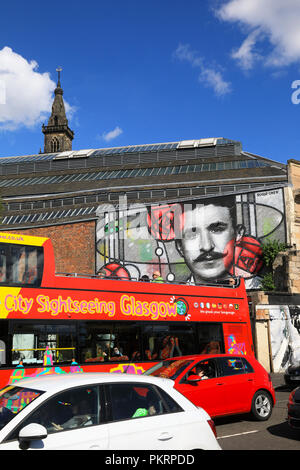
(74, 245)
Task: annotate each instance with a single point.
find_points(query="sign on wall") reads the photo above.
(203, 240)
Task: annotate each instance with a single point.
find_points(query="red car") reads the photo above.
(221, 384)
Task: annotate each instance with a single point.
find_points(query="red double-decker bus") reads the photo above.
(53, 324)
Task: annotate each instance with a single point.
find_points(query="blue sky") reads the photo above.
(141, 72)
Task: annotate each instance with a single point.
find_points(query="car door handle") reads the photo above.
(165, 436)
(220, 383)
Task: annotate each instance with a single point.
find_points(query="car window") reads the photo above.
(13, 400)
(170, 404)
(232, 365)
(169, 369)
(247, 366)
(72, 409)
(207, 369)
(132, 400)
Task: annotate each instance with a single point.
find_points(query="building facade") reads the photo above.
(122, 205)
(196, 210)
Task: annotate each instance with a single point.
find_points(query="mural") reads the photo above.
(205, 240)
(285, 335)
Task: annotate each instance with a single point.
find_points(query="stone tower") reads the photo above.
(58, 135)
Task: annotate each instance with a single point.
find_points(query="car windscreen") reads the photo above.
(13, 400)
(170, 369)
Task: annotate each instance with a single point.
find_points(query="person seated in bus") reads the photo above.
(144, 278)
(169, 345)
(107, 350)
(156, 277)
(213, 347)
(136, 356)
(116, 352)
(102, 274)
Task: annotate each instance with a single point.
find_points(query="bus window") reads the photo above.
(3, 265)
(43, 343)
(2, 352)
(168, 340)
(109, 342)
(21, 265)
(210, 338)
(18, 260)
(26, 264)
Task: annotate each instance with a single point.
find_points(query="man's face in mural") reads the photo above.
(206, 232)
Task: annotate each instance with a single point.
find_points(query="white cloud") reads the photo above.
(275, 20)
(27, 95)
(209, 75)
(108, 136)
(246, 55)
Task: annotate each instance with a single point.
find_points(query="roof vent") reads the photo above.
(187, 144)
(198, 143)
(207, 142)
(73, 154)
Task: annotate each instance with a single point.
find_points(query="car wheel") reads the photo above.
(262, 405)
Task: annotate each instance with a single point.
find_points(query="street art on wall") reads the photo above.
(203, 240)
(285, 335)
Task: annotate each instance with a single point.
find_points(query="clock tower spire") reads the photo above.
(58, 135)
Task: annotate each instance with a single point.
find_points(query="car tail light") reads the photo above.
(213, 427)
(291, 397)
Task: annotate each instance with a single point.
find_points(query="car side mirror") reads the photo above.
(31, 432)
(193, 379)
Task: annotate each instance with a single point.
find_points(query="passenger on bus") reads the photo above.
(102, 274)
(145, 278)
(116, 352)
(156, 277)
(170, 344)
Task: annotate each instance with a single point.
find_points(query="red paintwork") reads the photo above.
(224, 395)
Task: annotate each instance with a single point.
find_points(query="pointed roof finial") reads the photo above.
(58, 70)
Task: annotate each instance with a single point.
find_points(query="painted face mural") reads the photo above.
(201, 240)
(207, 231)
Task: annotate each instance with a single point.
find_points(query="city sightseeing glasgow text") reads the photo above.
(128, 306)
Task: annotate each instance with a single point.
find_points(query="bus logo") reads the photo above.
(182, 307)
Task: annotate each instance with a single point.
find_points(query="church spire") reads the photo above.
(58, 135)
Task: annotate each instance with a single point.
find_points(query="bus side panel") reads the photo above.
(14, 375)
(237, 339)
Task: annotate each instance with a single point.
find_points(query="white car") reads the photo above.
(101, 411)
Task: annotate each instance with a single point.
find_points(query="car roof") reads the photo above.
(58, 382)
(196, 357)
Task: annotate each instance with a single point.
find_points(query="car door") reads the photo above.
(237, 382)
(143, 416)
(72, 420)
(207, 393)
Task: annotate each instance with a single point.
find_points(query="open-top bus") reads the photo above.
(53, 323)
